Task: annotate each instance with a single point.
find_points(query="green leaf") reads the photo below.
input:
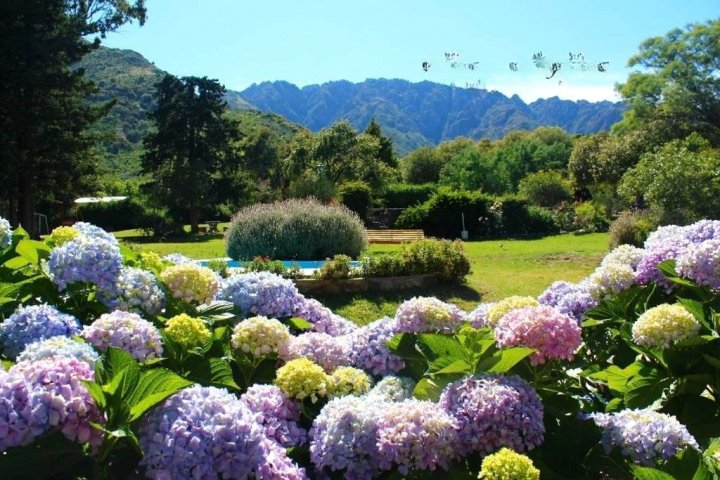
(97, 394)
(122, 383)
(153, 387)
(645, 388)
(501, 361)
(111, 363)
(300, 324)
(435, 345)
(444, 365)
(214, 372)
(696, 308)
(714, 362)
(431, 388)
(16, 263)
(648, 473)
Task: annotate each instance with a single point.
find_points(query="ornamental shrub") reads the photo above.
(546, 188)
(403, 195)
(632, 228)
(336, 268)
(445, 258)
(357, 196)
(295, 229)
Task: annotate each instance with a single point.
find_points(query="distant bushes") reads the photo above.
(632, 228)
(485, 216)
(113, 216)
(403, 195)
(295, 229)
(357, 196)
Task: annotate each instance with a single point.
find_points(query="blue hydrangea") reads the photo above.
(137, 291)
(32, 323)
(93, 231)
(261, 293)
(393, 388)
(278, 414)
(86, 259)
(58, 347)
(644, 435)
(572, 299)
(5, 233)
(206, 432)
(701, 263)
(322, 318)
(177, 259)
(328, 352)
(368, 347)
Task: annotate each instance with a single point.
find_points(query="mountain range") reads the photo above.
(412, 114)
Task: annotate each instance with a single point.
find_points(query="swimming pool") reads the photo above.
(302, 264)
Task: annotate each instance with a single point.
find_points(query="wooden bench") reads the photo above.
(394, 236)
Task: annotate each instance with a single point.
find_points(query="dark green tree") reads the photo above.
(191, 149)
(386, 153)
(422, 166)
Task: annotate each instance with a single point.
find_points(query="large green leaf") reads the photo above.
(648, 473)
(153, 387)
(215, 372)
(501, 361)
(434, 345)
(646, 388)
(111, 363)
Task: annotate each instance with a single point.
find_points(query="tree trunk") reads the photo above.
(27, 203)
(194, 218)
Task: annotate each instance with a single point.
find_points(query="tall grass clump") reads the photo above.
(295, 229)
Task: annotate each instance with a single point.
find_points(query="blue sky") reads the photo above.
(315, 41)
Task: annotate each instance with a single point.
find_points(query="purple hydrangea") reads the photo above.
(669, 249)
(664, 234)
(573, 299)
(58, 347)
(177, 259)
(493, 412)
(86, 259)
(702, 230)
(127, 331)
(206, 432)
(322, 318)
(93, 231)
(552, 334)
(344, 436)
(278, 414)
(428, 314)
(137, 291)
(261, 293)
(416, 435)
(328, 352)
(5, 233)
(644, 435)
(368, 347)
(701, 263)
(32, 323)
(49, 394)
(478, 318)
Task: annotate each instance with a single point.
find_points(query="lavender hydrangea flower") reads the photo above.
(573, 299)
(136, 291)
(664, 234)
(322, 318)
(48, 394)
(428, 314)
(261, 293)
(702, 231)
(5, 233)
(415, 434)
(93, 231)
(393, 388)
(701, 263)
(58, 347)
(177, 259)
(328, 352)
(552, 334)
(127, 331)
(86, 259)
(344, 436)
(206, 432)
(32, 323)
(493, 412)
(669, 249)
(279, 415)
(646, 436)
(368, 347)
(478, 318)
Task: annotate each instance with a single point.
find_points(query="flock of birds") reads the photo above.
(576, 61)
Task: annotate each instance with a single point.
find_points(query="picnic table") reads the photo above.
(213, 225)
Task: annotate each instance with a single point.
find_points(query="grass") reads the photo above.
(500, 268)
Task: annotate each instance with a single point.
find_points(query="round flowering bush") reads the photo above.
(279, 415)
(493, 412)
(93, 231)
(206, 432)
(33, 323)
(190, 282)
(664, 325)
(552, 334)
(301, 378)
(187, 331)
(701, 263)
(427, 314)
(392, 388)
(86, 259)
(261, 293)
(610, 278)
(61, 235)
(328, 352)
(127, 331)
(368, 347)
(344, 436)
(415, 434)
(259, 336)
(702, 230)
(508, 465)
(348, 381)
(499, 309)
(644, 435)
(322, 318)
(5, 233)
(136, 291)
(573, 299)
(624, 255)
(44, 395)
(58, 347)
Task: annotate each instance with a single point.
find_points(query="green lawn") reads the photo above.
(500, 268)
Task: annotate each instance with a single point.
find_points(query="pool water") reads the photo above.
(302, 264)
